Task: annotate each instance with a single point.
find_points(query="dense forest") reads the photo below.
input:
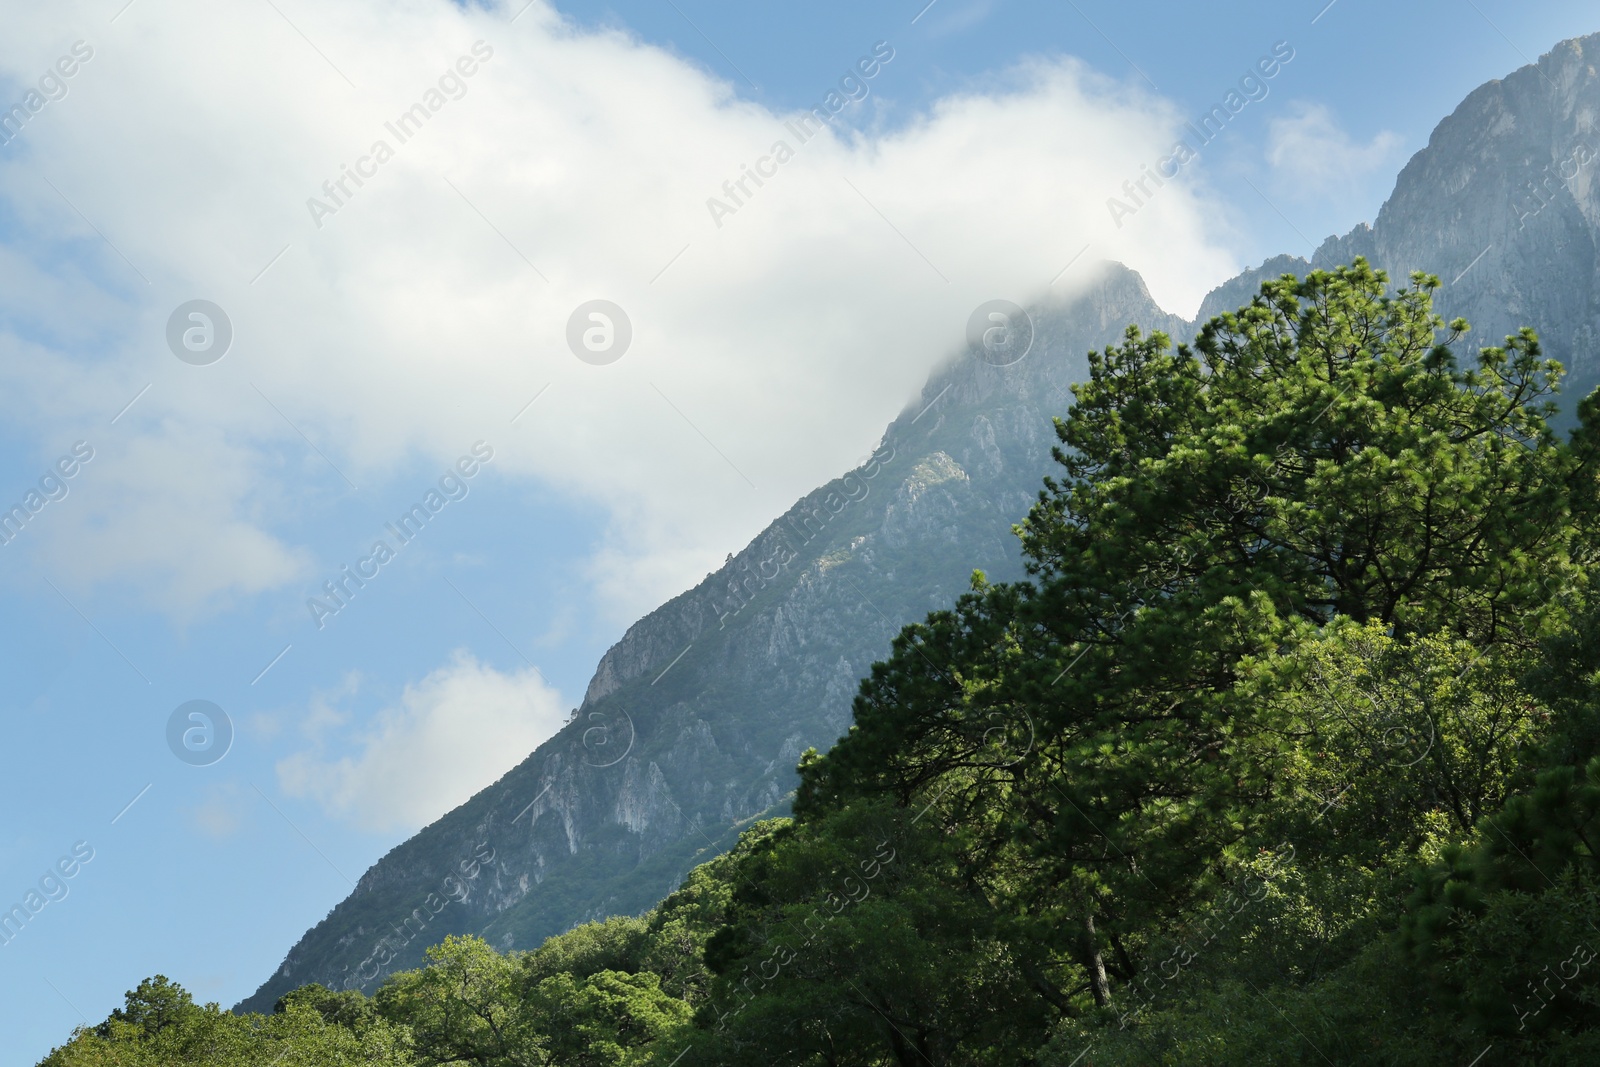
(1286, 751)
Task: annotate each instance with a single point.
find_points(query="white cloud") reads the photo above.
(220, 812)
(953, 18)
(454, 732)
(1313, 155)
(408, 325)
(181, 513)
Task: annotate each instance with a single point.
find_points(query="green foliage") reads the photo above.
(347, 1008)
(161, 1026)
(1284, 594)
(841, 948)
(472, 1004)
(158, 1006)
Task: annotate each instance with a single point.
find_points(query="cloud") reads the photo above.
(1313, 155)
(454, 732)
(419, 317)
(219, 813)
(180, 513)
(956, 19)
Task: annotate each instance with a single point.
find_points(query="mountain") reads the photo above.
(695, 719)
(1503, 205)
(693, 722)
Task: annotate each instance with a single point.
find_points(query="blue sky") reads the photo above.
(375, 350)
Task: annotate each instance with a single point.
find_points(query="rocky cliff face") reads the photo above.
(693, 722)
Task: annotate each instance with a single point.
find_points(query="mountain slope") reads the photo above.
(693, 722)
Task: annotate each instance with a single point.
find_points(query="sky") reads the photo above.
(492, 286)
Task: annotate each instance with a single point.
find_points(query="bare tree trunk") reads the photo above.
(1095, 964)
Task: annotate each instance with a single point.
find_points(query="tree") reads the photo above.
(159, 1005)
(853, 940)
(1096, 738)
(348, 1008)
(161, 1026)
(465, 1007)
(605, 1019)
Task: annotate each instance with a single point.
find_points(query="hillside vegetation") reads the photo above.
(1286, 751)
